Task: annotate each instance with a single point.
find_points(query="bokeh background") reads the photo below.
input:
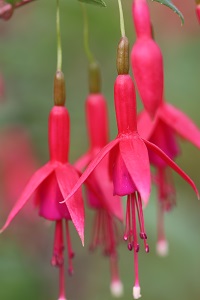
(28, 64)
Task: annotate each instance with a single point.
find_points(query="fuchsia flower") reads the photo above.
(17, 166)
(53, 182)
(129, 163)
(146, 58)
(198, 10)
(99, 189)
(7, 9)
(162, 131)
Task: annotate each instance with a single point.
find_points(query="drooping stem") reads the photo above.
(86, 35)
(59, 47)
(121, 16)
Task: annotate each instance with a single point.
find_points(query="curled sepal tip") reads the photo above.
(94, 78)
(59, 89)
(123, 56)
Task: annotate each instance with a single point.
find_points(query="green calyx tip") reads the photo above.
(94, 78)
(59, 89)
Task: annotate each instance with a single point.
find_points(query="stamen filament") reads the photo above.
(57, 257)
(69, 250)
(135, 241)
(143, 235)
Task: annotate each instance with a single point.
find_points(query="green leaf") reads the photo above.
(169, 4)
(96, 2)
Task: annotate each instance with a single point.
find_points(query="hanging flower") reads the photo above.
(146, 58)
(99, 187)
(7, 9)
(17, 166)
(129, 161)
(162, 131)
(198, 10)
(52, 183)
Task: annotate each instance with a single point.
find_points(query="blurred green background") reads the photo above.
(28, 64)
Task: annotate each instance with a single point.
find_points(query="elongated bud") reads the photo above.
(141, 18)
(94, 78)
(59, 89)
(147, 66)
(123, 56)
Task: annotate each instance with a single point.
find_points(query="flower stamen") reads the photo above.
(69, 251)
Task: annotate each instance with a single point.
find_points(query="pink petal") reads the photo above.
(183, 125)
(172, 164)
(122, 181)
(92, 166)
(105, 189)
(135, 156)
(67, 176)
(49, 197)
(83, 161)
(30, 188)
(146, 125)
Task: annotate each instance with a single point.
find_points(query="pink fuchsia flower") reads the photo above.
(198, 10)
(7, 9)
(17, 165)
(146, 59)
(169, 122)
(99, 189)
(129, 162)
(52, 183)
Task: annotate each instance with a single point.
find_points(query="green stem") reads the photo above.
(121, 16)
(59, 47)
(86, 35)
